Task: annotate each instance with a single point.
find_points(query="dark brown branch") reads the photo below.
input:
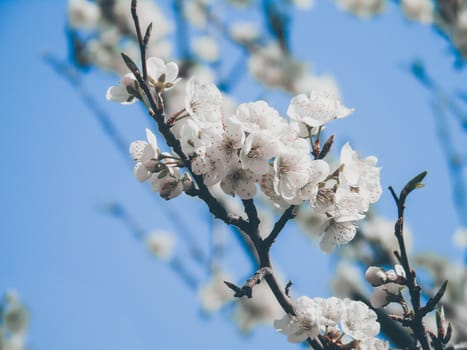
(415, 321)
(251, 212)
(247, 288)
(141, 42)
(279, 225)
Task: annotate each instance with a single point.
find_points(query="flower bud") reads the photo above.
(379, 298)
(376, 276)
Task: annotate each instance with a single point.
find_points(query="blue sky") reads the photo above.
(87, 283)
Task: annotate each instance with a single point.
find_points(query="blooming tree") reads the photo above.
(245, 161)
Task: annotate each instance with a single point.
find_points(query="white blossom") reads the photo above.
(212, 170)
(146, 155)
(257, 151)
(418, 10)
(239, 181)
(267, 186)
(362, 8)
(331, 310)
(304, 4)
(384, 294)
(244, 31)
(192, 139)
(336, 233)
(161, 244)
(125, 93)
(206, 48)
(203, 102)
(194, 13)
(361, 175)
(148, 12)
(227, 143)
(292, 173)
(316, 109)
(358, 320)
(460, 237)
(329, 316)
(258, 116)
(167, 182)
(163, 76)
(83, 14)
(270, 65)
(305, 324)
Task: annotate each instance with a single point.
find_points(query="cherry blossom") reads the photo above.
(305, 324)
(146, 155)
(257, 151)
(258, 116)
(361, 175)
(126, 92)
(316, 109)
(161, 244)
(161, 75)
(358, 320)
(203, 102)
(239, 181)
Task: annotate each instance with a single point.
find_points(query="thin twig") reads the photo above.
(416, 321)
(279, 225)
(141, 42)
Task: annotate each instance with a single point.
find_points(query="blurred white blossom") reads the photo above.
(161, 244)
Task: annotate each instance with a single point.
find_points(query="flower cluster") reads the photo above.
(388, 284)
(161, 169)
(252, 144)
(342, 320)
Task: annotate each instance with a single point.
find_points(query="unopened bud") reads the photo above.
(379, 298)
(376, 276)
